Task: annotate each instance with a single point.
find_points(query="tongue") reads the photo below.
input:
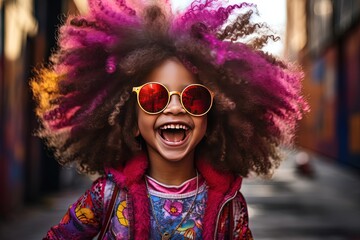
(173, 135)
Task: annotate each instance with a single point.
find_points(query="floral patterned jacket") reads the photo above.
(85, 217)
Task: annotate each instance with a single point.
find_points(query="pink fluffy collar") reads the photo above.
(131, 178)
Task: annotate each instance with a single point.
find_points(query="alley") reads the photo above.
(318, 39)
(291, 206)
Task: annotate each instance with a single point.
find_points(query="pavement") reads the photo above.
(320, 202)
(293, 205)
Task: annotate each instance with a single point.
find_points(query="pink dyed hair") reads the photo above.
(84, 97)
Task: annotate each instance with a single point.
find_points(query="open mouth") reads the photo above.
(174, 132)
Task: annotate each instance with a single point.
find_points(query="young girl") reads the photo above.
(172, 109)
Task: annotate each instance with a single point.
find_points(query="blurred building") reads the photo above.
(324, 36)
(27, 36)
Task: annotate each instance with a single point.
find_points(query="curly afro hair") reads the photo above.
(85, 100)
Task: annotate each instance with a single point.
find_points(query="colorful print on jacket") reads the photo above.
(132, 215)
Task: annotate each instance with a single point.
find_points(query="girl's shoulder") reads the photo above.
(102, 188)
(239, 205)
(106, 180)
(102, 183)
(240, 199)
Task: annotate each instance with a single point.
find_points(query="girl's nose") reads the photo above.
(174, 106)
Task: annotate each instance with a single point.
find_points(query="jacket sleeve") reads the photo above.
(83, 218)
(241, 219)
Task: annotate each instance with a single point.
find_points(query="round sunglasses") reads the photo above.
(154, 97)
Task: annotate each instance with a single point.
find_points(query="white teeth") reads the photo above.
(174, 126)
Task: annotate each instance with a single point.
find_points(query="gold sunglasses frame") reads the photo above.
(170, 93)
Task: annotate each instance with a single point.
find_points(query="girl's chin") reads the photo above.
(174, 156)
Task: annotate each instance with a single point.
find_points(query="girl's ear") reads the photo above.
(136, 131)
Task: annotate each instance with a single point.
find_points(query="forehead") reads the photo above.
(173, 74)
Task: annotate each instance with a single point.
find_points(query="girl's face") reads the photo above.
(173, 134)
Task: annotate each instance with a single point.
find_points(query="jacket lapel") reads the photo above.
(131, 178)
(221, 187)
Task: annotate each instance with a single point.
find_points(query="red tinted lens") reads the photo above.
(196, 99)
(153, 97)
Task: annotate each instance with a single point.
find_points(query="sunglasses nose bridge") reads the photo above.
(175, 93)
(174, 105)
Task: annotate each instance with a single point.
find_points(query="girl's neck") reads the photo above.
(172, 173)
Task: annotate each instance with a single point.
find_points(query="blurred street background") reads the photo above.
(315, 194)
